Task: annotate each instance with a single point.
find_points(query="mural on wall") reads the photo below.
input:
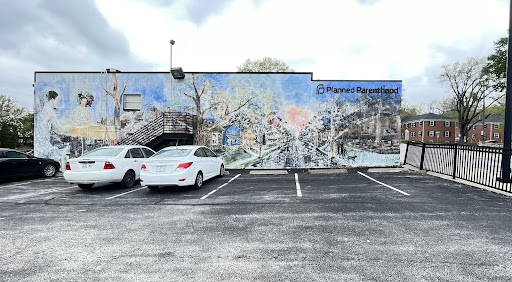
(275, 120)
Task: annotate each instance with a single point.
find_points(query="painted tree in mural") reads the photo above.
(221, 106)
(117, 101)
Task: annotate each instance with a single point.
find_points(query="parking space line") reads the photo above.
(297, 185)
(109, 198)
(384, 184)
(207, 195)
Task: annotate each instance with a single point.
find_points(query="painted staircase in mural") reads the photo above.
(170, 128)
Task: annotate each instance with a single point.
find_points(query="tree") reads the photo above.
(26, 132)
(117, 101)
(497, 64)
(470, 88)
(266, 64)
(409, 110)
(10, 120)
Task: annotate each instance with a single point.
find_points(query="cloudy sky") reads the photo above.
(406, 40)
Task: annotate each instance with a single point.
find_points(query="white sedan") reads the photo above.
(182, 166)
(119, 164)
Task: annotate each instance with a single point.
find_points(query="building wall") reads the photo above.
(420, 131)
(296, 122)
(491, 131)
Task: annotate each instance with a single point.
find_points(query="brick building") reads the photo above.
(428, 128)
(490, 130)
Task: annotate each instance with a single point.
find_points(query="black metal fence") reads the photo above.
(476, 164)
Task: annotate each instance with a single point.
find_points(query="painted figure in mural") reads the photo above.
(82, 114)
(47, 124)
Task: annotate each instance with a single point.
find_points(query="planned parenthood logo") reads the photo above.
(320, 89)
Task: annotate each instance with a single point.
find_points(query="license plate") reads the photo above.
(160, 168)
(86, 166)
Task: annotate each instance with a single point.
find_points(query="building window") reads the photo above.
(406, 125)
(431, 134)
(432, 123)
(401, 126)
(485, 125)
(413, 134)
(447, 123)
(473, 136)
(132, 102)
(420, 123)
(474, 127)
(447, 134)
(413, 124)
(496, 126)
(496, 135)
(420, 133)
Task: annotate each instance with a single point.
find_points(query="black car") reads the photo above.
(15, 164)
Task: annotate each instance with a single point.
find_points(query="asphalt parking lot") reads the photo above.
(354, 226)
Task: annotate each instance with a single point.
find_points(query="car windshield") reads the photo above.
(104, 152)
(172, 153)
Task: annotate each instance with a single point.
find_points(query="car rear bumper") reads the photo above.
(90, 177)
(159, 179)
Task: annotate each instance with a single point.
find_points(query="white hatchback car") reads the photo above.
(119, 164)
(182, 166)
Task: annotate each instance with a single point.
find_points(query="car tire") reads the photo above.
(49, 170)
(199, 181)
(85, 186)
(153, 188)
(128, 180)
(222, 171)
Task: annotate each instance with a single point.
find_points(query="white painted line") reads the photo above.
(384, 184)
(209, 194)
(126, 193)
(297, 185)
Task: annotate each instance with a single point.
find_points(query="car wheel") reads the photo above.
(49, 170)
(85, 186)
(152, 188)
(199, 181)
(222, 171)
(128, 180)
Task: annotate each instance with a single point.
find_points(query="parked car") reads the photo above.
(182, 166)
(112, 164)
(15, 164)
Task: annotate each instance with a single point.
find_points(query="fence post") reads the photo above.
(406, 152)
(422, 155)
(455, 161)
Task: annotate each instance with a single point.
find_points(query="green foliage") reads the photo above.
(496, 110)
(8, 136)
(497, 64)
(266, 64)
(407, 109)
(11, 121)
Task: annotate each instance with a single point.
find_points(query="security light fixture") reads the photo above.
(112, 70)
(177, 73)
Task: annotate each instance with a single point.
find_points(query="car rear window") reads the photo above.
(104, 152)
(172, 153)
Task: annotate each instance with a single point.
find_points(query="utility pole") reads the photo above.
(505, 160)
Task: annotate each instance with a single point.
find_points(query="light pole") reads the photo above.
(170, 71)
(505, 159)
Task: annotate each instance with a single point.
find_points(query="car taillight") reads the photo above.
(68, 167)
(184, 165)
(108, 165)
(143, 167)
